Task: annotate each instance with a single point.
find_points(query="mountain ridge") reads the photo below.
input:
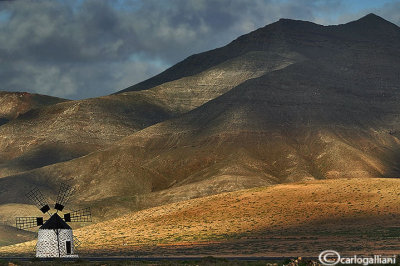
(195, 59)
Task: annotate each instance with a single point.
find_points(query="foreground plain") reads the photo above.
(352, 216)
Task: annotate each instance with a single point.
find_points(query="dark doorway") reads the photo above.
(68, 246)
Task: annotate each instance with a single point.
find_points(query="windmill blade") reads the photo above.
(83, 215)
(36, 197)
(64, 194)
(28, 222)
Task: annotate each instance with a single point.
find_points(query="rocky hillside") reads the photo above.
(63, 131)
(13, 104)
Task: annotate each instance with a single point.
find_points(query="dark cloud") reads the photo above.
(87, 48)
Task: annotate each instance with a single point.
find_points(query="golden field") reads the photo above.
(349, 215)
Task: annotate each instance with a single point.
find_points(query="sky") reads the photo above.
(79, 49)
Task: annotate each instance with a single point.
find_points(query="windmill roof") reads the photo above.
(55, 222)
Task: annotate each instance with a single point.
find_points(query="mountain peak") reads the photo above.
(371, 16)
(372, 19)
(372, 27)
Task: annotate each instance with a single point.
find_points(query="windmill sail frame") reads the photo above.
(28, 222)
(38, 199)
(82, 215)
(64, 194)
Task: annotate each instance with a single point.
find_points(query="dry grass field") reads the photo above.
(10, 235)
(354, 216)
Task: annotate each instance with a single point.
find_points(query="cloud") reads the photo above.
(87, 48)
(69, 50)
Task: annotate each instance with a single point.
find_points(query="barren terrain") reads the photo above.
(352, 216)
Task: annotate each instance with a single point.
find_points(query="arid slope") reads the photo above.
(9, 235)
(284, 220)
(12, 104)
(64, 131)
(187, 93)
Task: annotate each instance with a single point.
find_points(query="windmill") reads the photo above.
(55, 236)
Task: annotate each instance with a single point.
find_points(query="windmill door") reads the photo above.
(68, 246)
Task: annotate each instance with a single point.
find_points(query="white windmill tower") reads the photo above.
(55, 236)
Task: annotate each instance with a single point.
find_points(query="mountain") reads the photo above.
(72, 129)
(291, 102)
(273, 39)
